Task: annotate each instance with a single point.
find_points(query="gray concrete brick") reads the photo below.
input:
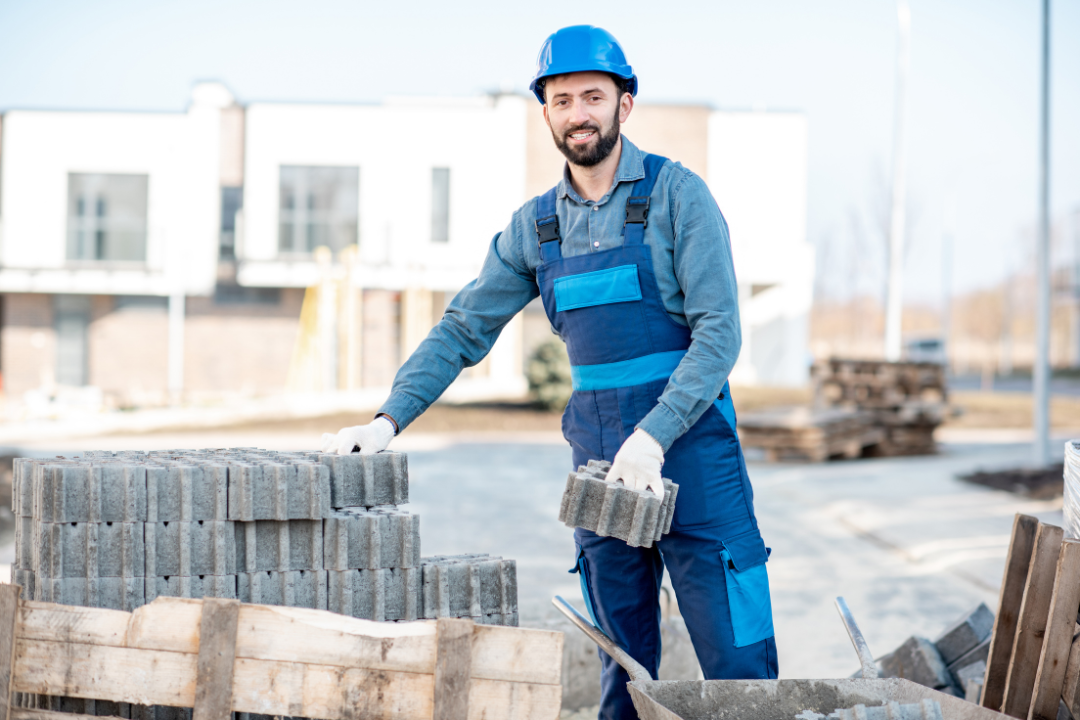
(188, 548)
(118, 493)
(615, 510)
(370, 538)
(979, 653)
(188, 586)
(22, 487)
(278, 491)
(965, 634)
(70, 550)
(62, 492)
(919, 661)
(970, 680)
(187, 491)
(293, 588)
(279, 545)
(475, 586)
(386, 594)
(24, 542)
(26, 579)
(107, 592)
(367, 480)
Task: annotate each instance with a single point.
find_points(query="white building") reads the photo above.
(154, 253)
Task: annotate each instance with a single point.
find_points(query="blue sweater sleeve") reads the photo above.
(706, 275)
(466, 332)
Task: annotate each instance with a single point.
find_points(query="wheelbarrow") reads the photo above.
(770, 699)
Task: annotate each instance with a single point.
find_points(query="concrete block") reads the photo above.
(26, 579)
(187, 586)
(279, 545)
(367, 480)
(966, 633)
(615, 510)
(473, 586)
(118, 493)
(24, 542)
(278, 491)
(115, 593)
(293, 588)
(979, 653)
(62, 492)
(386, 594)
(187, 490)
(199, 547)
(22, 487)
(371, 538)
(919, 661)
(970, 680)
(87, 550)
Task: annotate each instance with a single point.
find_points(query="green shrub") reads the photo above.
(548, 372)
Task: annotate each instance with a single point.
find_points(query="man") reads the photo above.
(630, 255)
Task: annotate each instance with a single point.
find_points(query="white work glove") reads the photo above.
(638, 463)
(370, 438)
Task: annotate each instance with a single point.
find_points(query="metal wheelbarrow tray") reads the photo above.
(770, 699)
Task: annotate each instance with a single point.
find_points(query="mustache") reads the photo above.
(578, 128)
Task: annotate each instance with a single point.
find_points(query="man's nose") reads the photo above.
(580, 113)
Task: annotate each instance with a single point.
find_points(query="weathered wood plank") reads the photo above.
(453, 668)
(302, 635)
(155, 677)
(9, 621)
(1031, 627)
(1070, 692)
(217, 653)
(31, 714)
(1009, 599)
(1050, 678)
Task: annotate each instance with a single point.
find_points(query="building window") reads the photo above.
(72, 318)
(318, 206)
(107, 217)
(232, 199)
(440, 205)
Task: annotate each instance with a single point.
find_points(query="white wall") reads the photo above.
(395, 145)
(757, 172)
(179, 153)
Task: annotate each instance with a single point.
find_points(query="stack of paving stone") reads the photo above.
(611, 509)
(955, 662)
(116, 530)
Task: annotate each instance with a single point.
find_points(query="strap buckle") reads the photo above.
(637, 210)
(547, 229)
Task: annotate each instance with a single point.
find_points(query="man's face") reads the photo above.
(585, 111)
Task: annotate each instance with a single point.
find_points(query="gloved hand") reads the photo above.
(370, 438)
(638, 463)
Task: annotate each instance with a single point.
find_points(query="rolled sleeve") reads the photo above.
(468, 329)
(706, 274)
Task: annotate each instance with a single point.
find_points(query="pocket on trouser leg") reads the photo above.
(747, 582)
(582, 570)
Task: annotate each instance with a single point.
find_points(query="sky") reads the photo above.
(972, 115)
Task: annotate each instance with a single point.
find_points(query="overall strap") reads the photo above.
(637, 205)
(547, 227)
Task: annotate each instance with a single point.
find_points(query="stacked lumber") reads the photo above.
(814, 435)
(906, 400)
(221, 656)
(1033, 660)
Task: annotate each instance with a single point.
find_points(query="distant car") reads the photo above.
(925, 350)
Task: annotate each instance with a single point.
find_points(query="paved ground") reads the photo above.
(907, 544)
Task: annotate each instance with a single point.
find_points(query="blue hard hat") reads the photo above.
(581, 48)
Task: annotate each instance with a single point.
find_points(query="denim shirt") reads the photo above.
(691, 256)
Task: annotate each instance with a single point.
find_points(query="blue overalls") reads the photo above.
(623, 347)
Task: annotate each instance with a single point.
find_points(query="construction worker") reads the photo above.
(631, 257)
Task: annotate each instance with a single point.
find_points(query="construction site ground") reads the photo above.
(908, 544)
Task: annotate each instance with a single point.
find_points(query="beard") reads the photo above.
(593, 152)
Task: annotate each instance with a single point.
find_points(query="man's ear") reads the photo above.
(546, 117)
(626, 104)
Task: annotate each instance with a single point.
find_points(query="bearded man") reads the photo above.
(631, 257)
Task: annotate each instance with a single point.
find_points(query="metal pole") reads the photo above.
(895, 293)
(1041, 455)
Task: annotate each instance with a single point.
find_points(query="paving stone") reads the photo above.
(965, 634)
(473, 586)
(187, 586)
(24, 542)
(62, 492)
(107, 592)
(22, 487)
(199, 547)
(26, 579)
(293, 588)
(979, 653)
(278, 491)
(614, 510)
(386, 594)
(919, 661)
(370, 538)
(367, 480)
(187, 491)
(279, 545)
(970, 680)
(67, 550)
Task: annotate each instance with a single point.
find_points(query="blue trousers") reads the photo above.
(624, 590)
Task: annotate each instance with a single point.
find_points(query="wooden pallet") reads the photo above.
(1034, 660)
(804, 434)
(220, 656)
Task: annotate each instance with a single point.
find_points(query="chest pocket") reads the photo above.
(599, 287)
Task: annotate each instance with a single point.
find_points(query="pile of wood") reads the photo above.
(221, 656)
(804, 434)
(907, 400)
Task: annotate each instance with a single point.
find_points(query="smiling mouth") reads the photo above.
(582, 136)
